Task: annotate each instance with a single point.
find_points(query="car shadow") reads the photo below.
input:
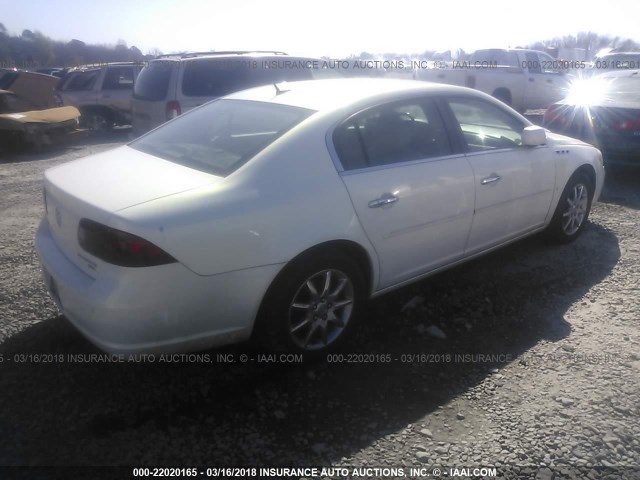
(213, 408)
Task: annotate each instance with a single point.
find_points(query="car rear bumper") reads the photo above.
(164, 309)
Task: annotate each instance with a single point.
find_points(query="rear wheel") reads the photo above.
(573, 209)
(503, 95)
(312, 305)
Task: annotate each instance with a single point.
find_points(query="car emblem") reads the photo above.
(58, 217)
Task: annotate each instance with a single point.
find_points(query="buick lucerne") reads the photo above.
(276, 212)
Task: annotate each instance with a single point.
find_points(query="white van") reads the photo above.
(173, 84)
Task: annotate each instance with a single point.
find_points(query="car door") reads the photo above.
(80, 88)
(412, 195)
(545, 85)
(513, 184)
(117, 88)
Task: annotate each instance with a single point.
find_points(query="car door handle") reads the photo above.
(384, 200)
(494, 177)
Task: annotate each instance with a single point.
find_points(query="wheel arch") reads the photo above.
(350, 248)
(87, 109)
(503, 94)
(587, 170)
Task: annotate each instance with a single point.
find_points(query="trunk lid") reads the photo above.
(98, 186)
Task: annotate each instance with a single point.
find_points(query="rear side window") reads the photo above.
(218, 77)
(486, 126)
(118, 78)
(153, 81)
(392, 133)
(221, 136)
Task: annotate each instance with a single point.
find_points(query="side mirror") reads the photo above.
(533, 136)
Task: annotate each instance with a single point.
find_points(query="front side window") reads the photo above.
(533, 62)
(221, 136)
(486, 126)
(392, 133)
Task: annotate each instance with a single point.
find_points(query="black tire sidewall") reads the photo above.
(272, 329)
(556, 231)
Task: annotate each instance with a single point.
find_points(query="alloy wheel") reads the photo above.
(576, 211)
(321, 309)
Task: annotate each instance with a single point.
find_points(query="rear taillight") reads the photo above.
(627, 125)
(173, 109)
(118, 247)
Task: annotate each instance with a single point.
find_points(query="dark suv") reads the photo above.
(172, 84)
(102, 93)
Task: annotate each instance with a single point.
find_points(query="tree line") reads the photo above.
(32, 50)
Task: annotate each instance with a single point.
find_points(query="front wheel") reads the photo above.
(573, 209)
(96, 121)
(312, 305)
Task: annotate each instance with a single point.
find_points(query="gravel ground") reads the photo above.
(526, 360)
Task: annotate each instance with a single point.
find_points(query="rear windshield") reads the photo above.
(222, 135)
(218, 77)
(153, 81)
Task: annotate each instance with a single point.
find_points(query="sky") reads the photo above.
(334, 28)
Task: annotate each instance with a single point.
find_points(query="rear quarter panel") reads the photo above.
(286, 200)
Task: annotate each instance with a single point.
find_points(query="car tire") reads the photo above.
(573, 209)
(96, 121)
(312, 305)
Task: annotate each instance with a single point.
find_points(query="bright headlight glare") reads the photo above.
(588, 91)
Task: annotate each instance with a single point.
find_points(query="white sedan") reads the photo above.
(278, 211)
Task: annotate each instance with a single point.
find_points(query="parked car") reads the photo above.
(605, 111)
(22, 121)
(26, 116)
(101, 92)
(616, 61)
(55, 71)
(174, 84)
(277, 211)
(36, 88)
(523, 79)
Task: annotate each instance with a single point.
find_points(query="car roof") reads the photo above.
(190, 56)
(622, 73)
(508, 50)
(333, 94)
(98, 66)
